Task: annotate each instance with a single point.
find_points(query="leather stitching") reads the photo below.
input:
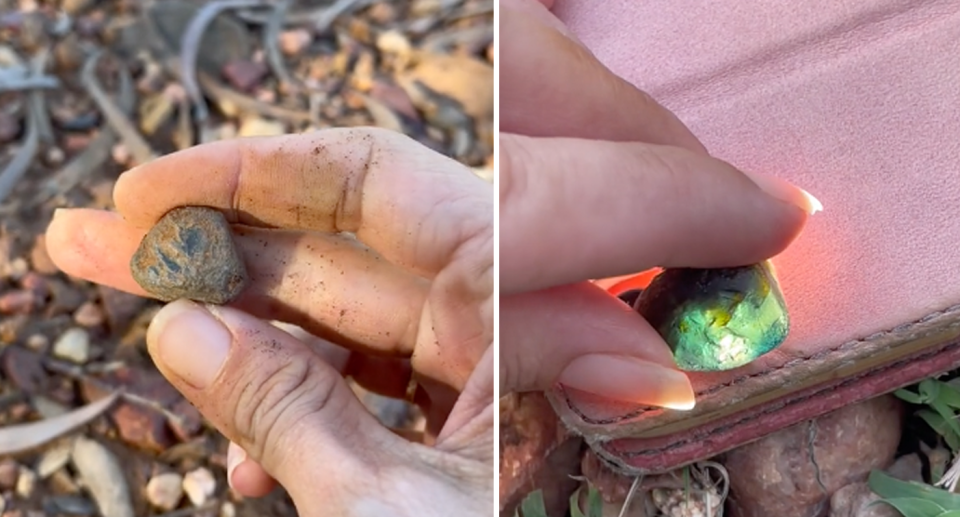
(954, 309)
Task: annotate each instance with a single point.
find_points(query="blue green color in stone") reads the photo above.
(716, 319)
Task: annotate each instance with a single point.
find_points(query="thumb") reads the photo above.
(582, 338)
(270, 394)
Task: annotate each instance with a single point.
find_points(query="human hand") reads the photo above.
(597, 180)
(412, 291)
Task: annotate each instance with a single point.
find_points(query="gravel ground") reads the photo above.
(90, 88)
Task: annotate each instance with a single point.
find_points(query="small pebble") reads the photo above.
(256, 126)
(293, 42)
(120, 154)
(190, 253)
(54, 156)
(73, 345)
(70, 505)
(53, 459)
(394, 42)
(9, 472)
(164, 491)
(17, 268)
(26, 483)
(21, 301)
(199, 485)
(62, 482)
(37, 342)
(244, 74)
(9, 127)
(89, 315)
(228, 510)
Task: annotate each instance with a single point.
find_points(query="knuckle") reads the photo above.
(514, 162)
(271, 406)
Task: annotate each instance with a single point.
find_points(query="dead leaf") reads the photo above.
(20, 438)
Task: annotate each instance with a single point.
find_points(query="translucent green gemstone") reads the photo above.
(716, 319)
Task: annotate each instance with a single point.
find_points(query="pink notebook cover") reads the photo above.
(857, 102)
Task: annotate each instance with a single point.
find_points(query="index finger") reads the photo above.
(412, 205)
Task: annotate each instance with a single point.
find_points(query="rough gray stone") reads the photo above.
(190, 254)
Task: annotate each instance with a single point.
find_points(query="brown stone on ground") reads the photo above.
(856, 499)
(536, 452)
(119, 307)
(795, 471)
(190, 253)
(244, 74)
(163, 417)
(24, 369)
(9, 127)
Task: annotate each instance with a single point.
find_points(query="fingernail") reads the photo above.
(186, 339)
(58, 212)
(786, 191)
(627, 378)
(235, 456)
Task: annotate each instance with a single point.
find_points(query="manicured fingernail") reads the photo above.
(186, 339)
(786, 191)
(235, 456)
(627, 378)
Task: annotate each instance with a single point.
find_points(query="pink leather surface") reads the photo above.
(856, 101)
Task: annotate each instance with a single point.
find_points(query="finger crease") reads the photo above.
(348, 214)
(236, 190)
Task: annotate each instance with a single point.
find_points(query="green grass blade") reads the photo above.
(533, 506)
(949, 417)
(575, 504)
(929, 390)
(594, 503)
(913, 506)
(891, 488)
(908, 396)
(950, 395)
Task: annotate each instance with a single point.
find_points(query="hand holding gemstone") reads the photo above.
(716, 319)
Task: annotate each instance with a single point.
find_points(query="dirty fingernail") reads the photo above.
(786, 191)
(189, 341)
(626, 378)
(235, 456)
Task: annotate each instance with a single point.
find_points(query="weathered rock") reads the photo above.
(190, 254)
(24, 369)
(89, 315)
(856, 499)
(199, 485)
(26, 483)
(165, 490)
(795, 471)
(9, 472)
(139, 424)
(73, 345)
(69, 505)
(54, 458)
(536, 453)
(244, 74)
(120, 308)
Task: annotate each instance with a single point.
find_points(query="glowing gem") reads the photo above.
(716, 319)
